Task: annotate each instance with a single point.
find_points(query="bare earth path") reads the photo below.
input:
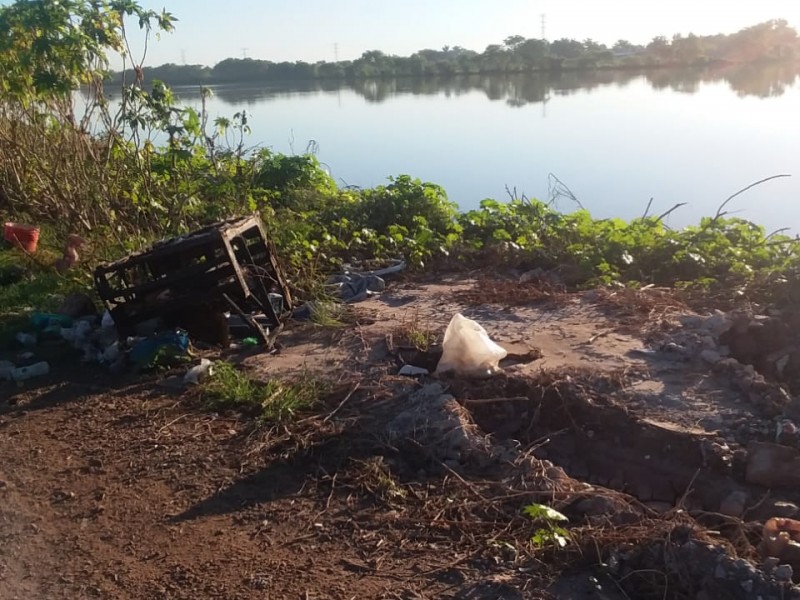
(129, 489)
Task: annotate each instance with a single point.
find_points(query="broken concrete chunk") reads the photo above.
(712, 357)
(717, 324)
(772, 465)
(783, 573)
(439, 426)
(691, 321)
(412, 371)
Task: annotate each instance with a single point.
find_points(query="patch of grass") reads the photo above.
(327, 312)
(415, 332)
(273, 400)
(26, 285)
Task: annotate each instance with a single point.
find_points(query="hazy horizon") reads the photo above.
(315, 30)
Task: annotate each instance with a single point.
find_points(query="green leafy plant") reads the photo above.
(550, 533)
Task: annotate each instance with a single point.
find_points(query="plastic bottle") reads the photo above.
(31, 371)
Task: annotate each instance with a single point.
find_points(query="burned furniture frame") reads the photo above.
(228, 265)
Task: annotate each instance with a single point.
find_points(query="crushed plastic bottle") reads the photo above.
(31, 371)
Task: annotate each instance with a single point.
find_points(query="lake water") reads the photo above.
(616, 139)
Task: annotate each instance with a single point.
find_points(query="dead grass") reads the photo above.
(490, 290)
(376, 479)
(416, 332)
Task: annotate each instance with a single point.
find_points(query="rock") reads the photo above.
(534, 275)
(712, 357)
(770, 509)
(772, 465)
(734, 504)
(787, 433)
(780, 364)
(783, 573)
(717, 324)
(412, 371)
(709, 342)
(784, 509)
(715, 455)
(595, 506)
(691, 321)
(792, 409)
(659, 507)
(727, 364)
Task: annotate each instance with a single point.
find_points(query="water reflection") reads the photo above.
(762, 81)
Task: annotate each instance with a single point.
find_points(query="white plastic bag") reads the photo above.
(198, 372)
(468, 351)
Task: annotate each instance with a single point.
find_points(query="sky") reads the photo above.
(311, 30)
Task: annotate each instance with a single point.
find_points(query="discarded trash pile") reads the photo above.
(220, 281)
(352, 286)
(190, 282)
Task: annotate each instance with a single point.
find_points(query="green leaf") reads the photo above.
(544, 512)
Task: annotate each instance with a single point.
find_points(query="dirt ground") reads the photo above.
(128, 488)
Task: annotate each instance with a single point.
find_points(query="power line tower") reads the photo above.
(336, 52)
(544, 26)
(183, 56)
(244, 52)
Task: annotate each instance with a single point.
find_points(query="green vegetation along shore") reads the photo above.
(121, 189)
(773, 41)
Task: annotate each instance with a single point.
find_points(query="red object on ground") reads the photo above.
(21, 236)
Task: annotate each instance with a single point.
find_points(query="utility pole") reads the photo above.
(336, 52)
(544, 26)
(244, 52)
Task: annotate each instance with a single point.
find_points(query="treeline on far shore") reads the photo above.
(766, 42)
